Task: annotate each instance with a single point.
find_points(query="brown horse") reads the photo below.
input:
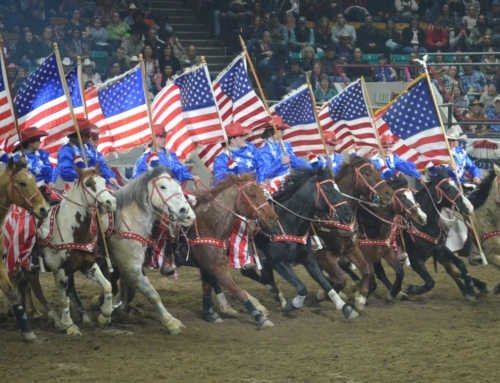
(18, 187)
(216, 212)
(361, 182)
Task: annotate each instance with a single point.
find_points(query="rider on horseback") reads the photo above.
(164, 157)
(276, 163)
(70, 155)
(461, 160)
(336, 159)
(393, 162)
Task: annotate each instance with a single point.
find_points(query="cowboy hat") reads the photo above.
(454, 134)
(388, 140)
(345, 34)
(160, 131)
(330, 138)
(84, 126)
(67, 61)
(31, 134)
(12, 66)
(87, 62)
(237, 2)
(278, 122)
(236, 130)
(132, 6)
(477, 102)
(134, 59)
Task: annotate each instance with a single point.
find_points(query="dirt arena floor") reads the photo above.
(438, 337)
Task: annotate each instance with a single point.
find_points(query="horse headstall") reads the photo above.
(373, 196)
(27, 200)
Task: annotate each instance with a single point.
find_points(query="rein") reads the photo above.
(359, 175)
(440, 195)
(13, 184)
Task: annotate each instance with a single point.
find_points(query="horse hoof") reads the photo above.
(174, 331)
(178, 323)
(403, 297)
(470, 298)
(360, 302)
(29, 336)
(73, 331)
(290, 307)
(104, 320)
(349, 312)
(212, 317)
(264, 322)
(264, 311)
(321, 295)
(485, 291)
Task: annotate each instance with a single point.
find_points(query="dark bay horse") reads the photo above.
(304, 195)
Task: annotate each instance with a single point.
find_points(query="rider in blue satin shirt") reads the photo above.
(462, 161)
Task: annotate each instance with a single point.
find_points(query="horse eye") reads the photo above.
(252, 195)
(163, 188)
(22, 184)
(368, 174)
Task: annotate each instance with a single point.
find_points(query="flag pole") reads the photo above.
(9, 94)
(146, 96)
(77, 129)
(256, 78)
(80, 84)
(313, 101)
(372, 117)
(224, 134)
(473, 227)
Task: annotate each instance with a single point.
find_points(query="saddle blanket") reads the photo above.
(239, 254)
(455, 231)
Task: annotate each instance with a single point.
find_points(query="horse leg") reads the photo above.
(327, 262)
(208, 313)
(469, 293)
(356, 257)
(345, 265)
(75, 299)
(266, 278)
(95, 274)
(418, 265)
(36, 287)
(61, 280)
(224, 306)
(30, 305)
(393, 261)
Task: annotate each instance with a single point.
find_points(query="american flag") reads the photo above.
(118, 107)
(19, 237)
(482, 151)
(7, 123)
(413, 118)
(347, 115)
(237, 102)
(41, 102)
(187, 107)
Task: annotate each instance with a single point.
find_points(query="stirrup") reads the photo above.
(250, 266)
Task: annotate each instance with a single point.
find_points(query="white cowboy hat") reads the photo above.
(237, 2)
(345, 34)
(67, 61)
(454, 134)
(87, 62)
(134, 59)
(132, 6)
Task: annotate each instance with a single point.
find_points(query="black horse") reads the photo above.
(304, 195)
(423, 242)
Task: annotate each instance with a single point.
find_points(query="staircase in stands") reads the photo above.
(183, 19)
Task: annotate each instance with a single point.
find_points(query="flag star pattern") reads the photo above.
(347, 115)
(7, 126)
(236, 101)
(118, 107)
(413, 118)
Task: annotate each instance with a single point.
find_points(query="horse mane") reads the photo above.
(297, 179)
(480, 195)
(228, 181)
(136, 191)
(353, 162)
(86, 172)
(398, 182)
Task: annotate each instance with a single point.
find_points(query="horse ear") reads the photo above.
(98, 167)
(320, 172)
(11, 164)
(79, 171)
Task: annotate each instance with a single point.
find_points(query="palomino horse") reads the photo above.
(138, 203)
(18, 187)
(68, 240)
(423, 242)
(216, 211)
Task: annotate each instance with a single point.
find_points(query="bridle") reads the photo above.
(157, 189)
(407, 210)
(87, 193)
(440, 193)
(333, 208)
(373, 196)
(29, 205)
(241, 192)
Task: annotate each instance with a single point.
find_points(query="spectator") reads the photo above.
(129, 19)
(237, 20)
(275, 67)
(315, 76)
(485, 47)
(292, 79)
(493, 21)
(67, 65)
(115, 70)
(391, 38)
(22, 75)
(488, 97)
(70, 5)
(279, 33)
(89, 74)
(144, 6)
(263, 53)
(74, 46)
(105, 12)
(191, 56)
(324, 92)
(357, 72)
(301, 36)
(322, 35)
(11, 75)
(453, 74)
(164, 30)
(27, 50)
(476, 112)
(471, 17)
(307, 62)
(218, 10)
(139, 24)
(437, 37)
(345, 51)
(381, 10)
(370, 38)
(150, 63)
(133, 46)
(355, 10)
(153, 41)
(168, 58)
(330, 61)
(490, 71)
(479, 31)
(383, 73)
(46, 46)
(98, 34)
(475, 3)
(414, 37)
(120, 58)
(494, 114)
(428, 10)
(411, 69)
(162, 78)
(442, 73)
(472, 81)
(460, 99)
(179, 51)
(118, 31)
(253, 33)
(258, 11)
(33, 21)
(185, 65)
(460, 38)
(341, 29)
(449, 20)
(457, 7)
(75, 22)
(88, 84)
(13, 19)
(405, 9)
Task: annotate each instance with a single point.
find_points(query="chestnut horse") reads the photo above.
(18, 186)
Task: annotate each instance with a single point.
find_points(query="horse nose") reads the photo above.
(43, 212)
(272, 220)
(388, 195)
(182, 210)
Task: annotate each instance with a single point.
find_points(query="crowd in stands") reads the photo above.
(330, 41)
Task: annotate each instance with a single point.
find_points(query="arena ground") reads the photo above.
(438, 337)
